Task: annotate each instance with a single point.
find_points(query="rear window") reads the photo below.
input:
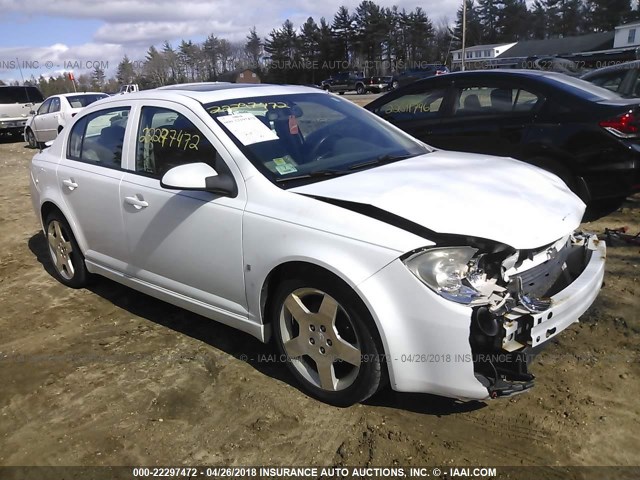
(20, 95)
(582, 88)
(81, 101)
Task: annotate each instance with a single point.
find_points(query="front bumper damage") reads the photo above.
(542, 301)
(433, 345)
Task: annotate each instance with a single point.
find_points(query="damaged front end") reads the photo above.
(519, 298)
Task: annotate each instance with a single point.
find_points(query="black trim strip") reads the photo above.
(441, 239)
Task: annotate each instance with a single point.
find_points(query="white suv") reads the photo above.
(17, 103)
(288, 212)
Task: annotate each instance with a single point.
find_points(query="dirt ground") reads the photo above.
(109, 376)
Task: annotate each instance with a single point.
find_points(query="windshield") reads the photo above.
(306, 137)
(81, 101)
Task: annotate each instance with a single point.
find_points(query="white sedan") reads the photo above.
(290, 213)
(54, 113)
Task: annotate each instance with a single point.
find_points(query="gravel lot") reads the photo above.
(109, 376)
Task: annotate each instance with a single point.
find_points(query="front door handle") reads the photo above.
(137, 201)
(70, 183)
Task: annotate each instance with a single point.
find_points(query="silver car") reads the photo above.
(290, 213)
(54, 113)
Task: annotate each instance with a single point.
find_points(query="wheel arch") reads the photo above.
(48, 206)
(291, 269)
(296, 269)
(28, 129)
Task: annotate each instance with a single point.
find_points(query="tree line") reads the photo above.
(372, 39)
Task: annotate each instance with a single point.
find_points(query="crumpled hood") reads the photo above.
(496, 198)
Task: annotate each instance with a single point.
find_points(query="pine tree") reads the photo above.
(474, 27)
(253, 48)
(513, 21)
(125, 73)
(310, 48)
(343, 33)
(605, 15)
(488, 14)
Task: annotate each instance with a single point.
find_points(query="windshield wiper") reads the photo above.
(380, 161)
(314, 174)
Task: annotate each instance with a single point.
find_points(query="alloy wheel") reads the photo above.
(320, 339)
(60, 249)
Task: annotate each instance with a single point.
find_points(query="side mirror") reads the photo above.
(199, 176)
(32, 112)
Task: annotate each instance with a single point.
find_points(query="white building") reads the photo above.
(627, 35)
(475, 56)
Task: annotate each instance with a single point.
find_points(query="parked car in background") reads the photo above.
(587, 135)
(16, 103)
(345, 82)
(415, 74)
(287, 212)
(129, 88)
(54, 113)
(622, 78)
(378, 84)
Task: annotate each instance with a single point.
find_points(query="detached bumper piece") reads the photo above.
(546, 299)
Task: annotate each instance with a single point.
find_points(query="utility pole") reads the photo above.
(464, 32)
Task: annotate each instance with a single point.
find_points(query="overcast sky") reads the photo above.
(63, 35)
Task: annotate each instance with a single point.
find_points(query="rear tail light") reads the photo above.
(440, 72)
(623, 126)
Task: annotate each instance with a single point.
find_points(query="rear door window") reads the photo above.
(492, 100)
(98, 138)
(55, 105)
(425, 104)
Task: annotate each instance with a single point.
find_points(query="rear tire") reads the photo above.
(360, 90)
(67, 259)
(328, 339)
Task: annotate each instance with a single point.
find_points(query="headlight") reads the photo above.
(453, 273)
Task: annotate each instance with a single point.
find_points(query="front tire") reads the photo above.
(31, 139)
(328, 339)
(68, 262)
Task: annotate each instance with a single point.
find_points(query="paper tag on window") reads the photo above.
(247, 128)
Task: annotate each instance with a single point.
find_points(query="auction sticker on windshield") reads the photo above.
(247, 128)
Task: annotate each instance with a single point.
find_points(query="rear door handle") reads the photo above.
(70, 183)
(137, 201)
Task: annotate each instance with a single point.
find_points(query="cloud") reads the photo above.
(16, 62)
(128, 26)
(153, 21)
(115, 11)
(156, 32)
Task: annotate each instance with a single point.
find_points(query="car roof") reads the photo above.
(571, 85)
(508, 73)
(72, 94)
(207, 92)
